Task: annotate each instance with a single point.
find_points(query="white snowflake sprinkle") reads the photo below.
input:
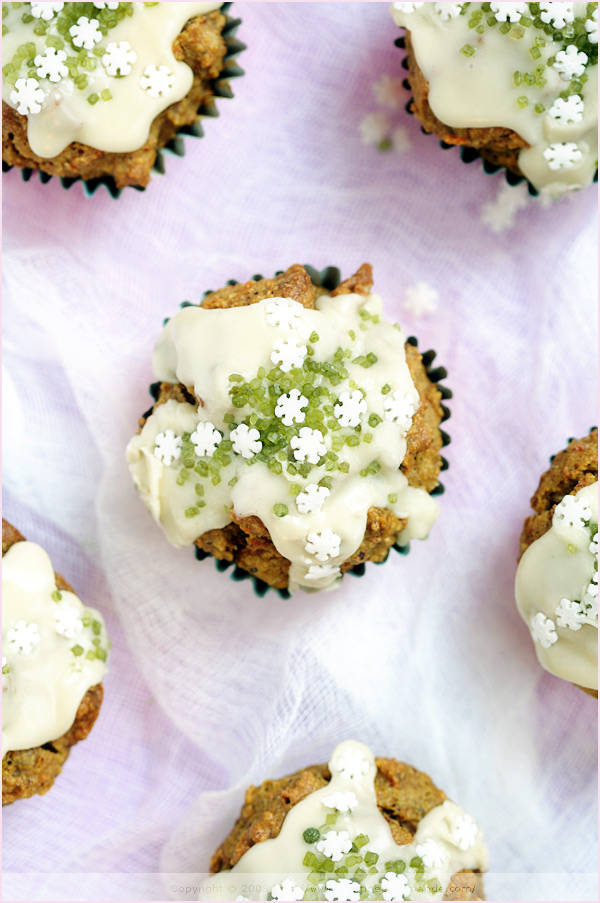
(86, 33)
(570, 63)
(205, 439)
(407, 7)
(167, 447)
(287, 890)
(323, 544)
(557, 14)
(570, 614)
(100, 5)
(27, 97)
(67, 619)
(157, 81)
(509, 12)
(394, 886)
(448, 11)
(349, 407)
(591, 26)
(290, 407)
(593, 547)
(23, 637)
(342, 800)
(564, 155)
(322, 571)
(432, 853)
(351, 765)
(420, 299)
(573, 512)
(119, 58)
(566, 111)
(45, 10)
(399, 408)
(400, 140)
(288, 353)
(283, 312)
(308, 445)
(389, 92)
(342, 889)
(246, 441)
(465, 832)
(334, 844)
(51, 64)
(543, 630)
(311, 499)
(375, 128)
(591, 601)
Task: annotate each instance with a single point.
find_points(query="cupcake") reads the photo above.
(513, 82)
(295, 433)
(557, 576)
(54, 654)
(94, 90)
(359, 828)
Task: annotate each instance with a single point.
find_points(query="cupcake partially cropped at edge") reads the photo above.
(359, 828)
(295, 431)
(94, 90)
(54, 656)
(557, 577)
(518, 82)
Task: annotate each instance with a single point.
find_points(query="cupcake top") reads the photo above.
(95, 73)
(53, 650)
(529, 67)
(335, 844)
(557, 590)
(301, 421)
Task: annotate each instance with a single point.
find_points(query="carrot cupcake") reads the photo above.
(557, 577)
(296, 432)
(515, 82)
(359, 828)
(95, 90)
(54, 654)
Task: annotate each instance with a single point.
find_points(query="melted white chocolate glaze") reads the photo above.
(354, 468)
(335, 843)
(479, 91)
(557, 593)
(122, 123)
(53, 650)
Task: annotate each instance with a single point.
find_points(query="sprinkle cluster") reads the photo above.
(70, 42)
(571, 614)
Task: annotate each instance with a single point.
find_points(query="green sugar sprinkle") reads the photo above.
(467, 50)
(77, 650)
(192, 512)
(392, 498)
(311, 835)
(57, 595)
(280, 510)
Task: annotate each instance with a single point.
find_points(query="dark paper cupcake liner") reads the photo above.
(176, 146)
(470, 154)
(328, 278)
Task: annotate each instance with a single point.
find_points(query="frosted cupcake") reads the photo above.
(359, 828)
(296, 432)
(54, 655)
(557, 577)
(515, 82)
(94, 90)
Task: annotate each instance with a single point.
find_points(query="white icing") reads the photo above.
(557, 591)
(447, 841)
(479, 92)
(119, 125)
(202, 348)
(43, 681)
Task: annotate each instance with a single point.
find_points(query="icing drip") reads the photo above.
(302, 423)
(96, 78)
(53, 650)
(521, 72)
(557, 590)
(336, 845)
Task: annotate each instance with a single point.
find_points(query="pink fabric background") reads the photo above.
(426, 659)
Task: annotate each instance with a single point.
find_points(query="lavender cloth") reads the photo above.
(425, 658)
